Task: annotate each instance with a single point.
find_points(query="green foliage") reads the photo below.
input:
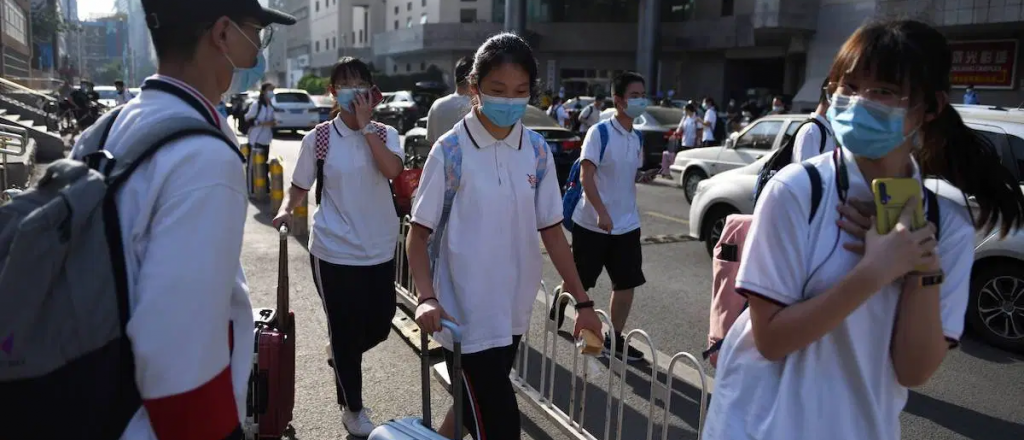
(46, 23)
(313, 84)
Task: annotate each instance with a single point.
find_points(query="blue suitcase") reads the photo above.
(415, 428)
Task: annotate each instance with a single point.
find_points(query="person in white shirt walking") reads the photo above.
(449, 110)
(591, 114)
(606, 231)
(686, 136)
(486, 262)
(123, 95)
(807, 141)
(355, 229)
(843, 320)
(710, 121)
(182, 213)
(558, 112)
(261, 119)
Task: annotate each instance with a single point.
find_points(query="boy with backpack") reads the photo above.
(141, 320)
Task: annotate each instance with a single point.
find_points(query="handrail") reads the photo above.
(12, 136)
(7, 83)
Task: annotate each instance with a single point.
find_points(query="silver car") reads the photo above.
(996, 308)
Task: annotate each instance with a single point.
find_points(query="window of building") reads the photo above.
(677, 10)
(423, 3)
(408, 67)
(408, 6)
(396, 24)
(423, 19)
(317, 46)
(316, 7)
(467, 15)
(408, 22)
(396, 10)
(334, 41)
(361, 36)
(727, 8)
(14, 22)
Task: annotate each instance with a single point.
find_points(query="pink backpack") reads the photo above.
(726, 304)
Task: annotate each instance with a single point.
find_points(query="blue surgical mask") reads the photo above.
(867, 128)
(345, 96)
(503, 112)
(245, 78)
(636, 107)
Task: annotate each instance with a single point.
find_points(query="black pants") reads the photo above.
(490, 410)
(359, 302)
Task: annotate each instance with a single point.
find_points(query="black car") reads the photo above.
(404, 108)
(657, 125)
(565, 145)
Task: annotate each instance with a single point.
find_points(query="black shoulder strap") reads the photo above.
(155, 84)
(815, 177)
(932, 210)
(824, 133)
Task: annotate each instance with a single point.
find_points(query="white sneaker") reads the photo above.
(358, 423)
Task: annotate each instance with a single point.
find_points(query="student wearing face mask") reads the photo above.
(181, 216)
(488, 187)
(355, 229)
(261, 119)
(606, 223)
(843, 320)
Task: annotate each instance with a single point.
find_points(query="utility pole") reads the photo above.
(515, 16)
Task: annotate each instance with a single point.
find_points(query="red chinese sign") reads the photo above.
(984, 64)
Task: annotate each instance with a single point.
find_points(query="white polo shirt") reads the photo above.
(257, 114)
(843, 386)
(489, 266)
(356, 223)
(711, 117)
(616, 179)
(807, 140)
(182, 213)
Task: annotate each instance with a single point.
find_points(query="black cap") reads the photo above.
(164, 13)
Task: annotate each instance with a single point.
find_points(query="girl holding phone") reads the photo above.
(843, 320)
(488, 265)
(261, 119)
(355, 230)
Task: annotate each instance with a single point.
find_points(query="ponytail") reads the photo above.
(966, 159)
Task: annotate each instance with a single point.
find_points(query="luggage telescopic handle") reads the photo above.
(283, 307)
(456, 378)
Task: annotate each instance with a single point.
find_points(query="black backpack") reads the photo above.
(784, 156)
(719, 131)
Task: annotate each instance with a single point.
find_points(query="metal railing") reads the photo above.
(13, 142)
(571, 420)
(42, 104)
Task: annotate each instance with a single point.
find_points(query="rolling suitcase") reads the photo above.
(271, 396)
(415, 428)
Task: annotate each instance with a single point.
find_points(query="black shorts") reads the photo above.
(620, 254)
(489, 407)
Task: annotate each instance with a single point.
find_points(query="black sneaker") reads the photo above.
(557, 312)
(632, 354)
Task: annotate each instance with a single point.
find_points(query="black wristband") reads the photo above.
(584, 305)
(424, 300)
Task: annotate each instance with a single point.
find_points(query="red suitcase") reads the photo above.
(272, 381)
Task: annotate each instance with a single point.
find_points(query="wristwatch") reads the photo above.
(584, 305)
(927, 279)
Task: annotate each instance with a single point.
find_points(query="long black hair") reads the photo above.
(504, 48)
(348, 68)
(262, 101)
(917, 56)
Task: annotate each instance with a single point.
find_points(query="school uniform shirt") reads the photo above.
(711, 117)
(688, 129)
(182, 213)
(260, 113)
(842, 386)
(356, 223)
(589, 117)
(807, 140)
(561, 115)
(615, 179)
(123, 97)
(489, 266)
(445, 113)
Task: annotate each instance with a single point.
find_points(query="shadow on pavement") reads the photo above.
(685, 402)
(289, 136)
(963, 421)
(981, 350)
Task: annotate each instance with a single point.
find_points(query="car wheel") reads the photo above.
(690, 181)
(713, 225)
(996, 308)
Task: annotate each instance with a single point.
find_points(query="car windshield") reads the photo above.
(666, 115)
(291, 98)
(535, 117)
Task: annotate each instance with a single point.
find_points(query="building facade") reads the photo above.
(15, 39)
(103, 44)
(139, 54)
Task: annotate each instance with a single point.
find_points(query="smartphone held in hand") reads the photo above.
(891, 195)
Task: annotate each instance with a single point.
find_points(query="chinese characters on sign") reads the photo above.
(984, 64)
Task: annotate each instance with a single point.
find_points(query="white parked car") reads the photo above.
(996, 308)
(108, 95)
(742, 148)
(295, 110)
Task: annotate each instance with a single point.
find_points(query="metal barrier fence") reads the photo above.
(42, 105)
(543, 398)
(13, 142)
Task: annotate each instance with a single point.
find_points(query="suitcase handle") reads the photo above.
(456, 332)
(283, 307)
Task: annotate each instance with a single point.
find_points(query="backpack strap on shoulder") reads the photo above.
(824, 133)
(602, 130)
(816, 191)
(322, 137)
(540, 153)
(932, 210)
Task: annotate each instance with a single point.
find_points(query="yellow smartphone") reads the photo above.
(891, 195)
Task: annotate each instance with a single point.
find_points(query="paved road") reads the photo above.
(977, 394)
